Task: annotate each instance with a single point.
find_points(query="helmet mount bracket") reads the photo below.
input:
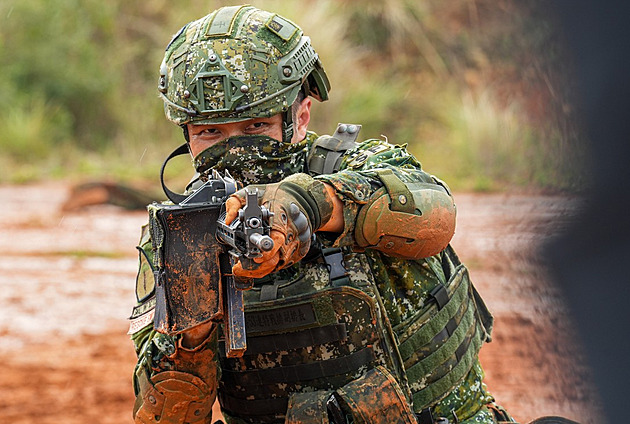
(213, 76)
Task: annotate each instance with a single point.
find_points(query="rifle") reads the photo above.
(194, 253)
(247, 237)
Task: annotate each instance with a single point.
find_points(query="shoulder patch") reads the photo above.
(281, 27)
(141, 316)
(145, 280)
(223, 21)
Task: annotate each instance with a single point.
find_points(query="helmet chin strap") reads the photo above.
(287, 125)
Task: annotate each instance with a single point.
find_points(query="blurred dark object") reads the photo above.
(589, 260)
(107, 192)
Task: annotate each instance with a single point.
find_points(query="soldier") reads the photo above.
(361, 312)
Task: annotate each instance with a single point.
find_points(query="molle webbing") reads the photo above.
(315, 345)
(258, 382)
(258, 409)
(301, 373)
(295, 340)
(442, 349)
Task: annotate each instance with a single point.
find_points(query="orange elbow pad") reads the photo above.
(423, 228)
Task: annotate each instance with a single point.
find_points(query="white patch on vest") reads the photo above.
(142, 321)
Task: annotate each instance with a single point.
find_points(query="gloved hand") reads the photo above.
(300, 206)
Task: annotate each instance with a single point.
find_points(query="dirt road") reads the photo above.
(67, 288)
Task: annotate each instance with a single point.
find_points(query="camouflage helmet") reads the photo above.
(235, 64)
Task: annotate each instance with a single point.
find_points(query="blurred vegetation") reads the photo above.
(477, 88)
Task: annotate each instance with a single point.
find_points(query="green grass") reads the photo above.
(478, 104)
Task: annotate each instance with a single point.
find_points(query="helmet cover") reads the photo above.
(238, 63)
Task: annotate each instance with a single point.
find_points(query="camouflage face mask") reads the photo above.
(253, 159)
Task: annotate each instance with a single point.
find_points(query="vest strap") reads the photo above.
(397, 190)
(440, 295)
(269, 292)
(333, 257)
(254, 407)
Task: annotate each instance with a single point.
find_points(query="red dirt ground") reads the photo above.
(67, 287)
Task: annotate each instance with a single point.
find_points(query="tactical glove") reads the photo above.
(300, 206)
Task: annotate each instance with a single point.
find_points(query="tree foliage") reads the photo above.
(477, 88)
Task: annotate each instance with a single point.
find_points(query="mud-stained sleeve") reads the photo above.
(167, 372)
(161, 357)
(358, 178)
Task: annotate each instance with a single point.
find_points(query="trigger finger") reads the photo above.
(232, 205)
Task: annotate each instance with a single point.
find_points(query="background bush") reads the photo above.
(479, 89)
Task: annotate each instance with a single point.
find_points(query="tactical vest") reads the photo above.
(306, 334)
(312, 334)
(325, 325)
(440, 343)
(321, 326)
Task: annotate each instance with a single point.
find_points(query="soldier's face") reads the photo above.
(204, 136)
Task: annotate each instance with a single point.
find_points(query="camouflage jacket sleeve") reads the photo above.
(357, 179)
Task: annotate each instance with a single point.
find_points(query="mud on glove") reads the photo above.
(300, 206)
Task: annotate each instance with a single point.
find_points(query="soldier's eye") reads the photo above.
(208, 131)
(257, 127)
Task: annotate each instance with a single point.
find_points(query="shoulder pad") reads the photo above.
(410, 220)
(442, 183)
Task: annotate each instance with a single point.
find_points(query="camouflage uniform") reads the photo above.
(400, 288)
(379, 335)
